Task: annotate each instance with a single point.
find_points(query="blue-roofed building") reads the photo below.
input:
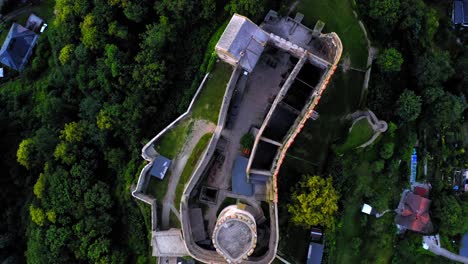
(460, 12)
(17, 47)
(315, 254)
(160, 166)
(240, 184)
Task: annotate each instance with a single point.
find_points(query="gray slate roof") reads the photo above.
(160, 166)
(197, 224)
(314, 256)
(243, 40)
(239, 177)
(17, 47)
(460, 12)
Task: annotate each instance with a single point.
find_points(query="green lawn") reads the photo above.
(173, 220)
(361, 132)
(190, 166)
(208, 104)
(171, 143)
(158, 188)
(339, 18)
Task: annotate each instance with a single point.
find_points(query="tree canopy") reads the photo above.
(409, 106)
(314, 202)
(390, 60)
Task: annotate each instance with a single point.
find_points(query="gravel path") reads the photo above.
(200, 128)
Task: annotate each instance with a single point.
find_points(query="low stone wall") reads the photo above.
(148, 152)
(379, 126)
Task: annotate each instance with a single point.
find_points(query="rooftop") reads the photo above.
(413, 213)
(244, 41)
(160, 166)
(460, 12)
(17, 47)
(315, 253)
(235, 234)
(239, 177)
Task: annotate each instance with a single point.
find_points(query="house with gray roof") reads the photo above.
(18, 47)
(242, 43)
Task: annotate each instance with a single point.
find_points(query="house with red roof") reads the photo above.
(413, 213)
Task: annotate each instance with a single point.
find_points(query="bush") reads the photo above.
(378, 166)
(247, 141)
(387, 149)
(390, 60)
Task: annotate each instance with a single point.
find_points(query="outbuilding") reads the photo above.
(160, 166)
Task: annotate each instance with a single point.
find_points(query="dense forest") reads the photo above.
(419, 85)
(104, 78)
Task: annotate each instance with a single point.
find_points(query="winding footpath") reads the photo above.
(200, 128)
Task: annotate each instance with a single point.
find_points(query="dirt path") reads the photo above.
(200, 128)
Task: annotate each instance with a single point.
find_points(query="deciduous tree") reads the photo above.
(385, 11)
(314, 202)
(408, 106)
(390, 60)
(434, 68)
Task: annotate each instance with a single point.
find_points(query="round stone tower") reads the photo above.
(235, 234)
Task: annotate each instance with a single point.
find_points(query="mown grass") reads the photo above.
(338, 17)
(158, 188)
(190, 166)
(360, 133)
(173, 220)
(208, 104)
(206, 107)
(171, 143)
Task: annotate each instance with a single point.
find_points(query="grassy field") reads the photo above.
(158, 188)
(360, 133)
(173, 220)
(190, 166)
(208, 105)
(171, 143)
(339, 18)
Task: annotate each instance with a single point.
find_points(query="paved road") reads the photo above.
(435, 248)
(200, 128)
